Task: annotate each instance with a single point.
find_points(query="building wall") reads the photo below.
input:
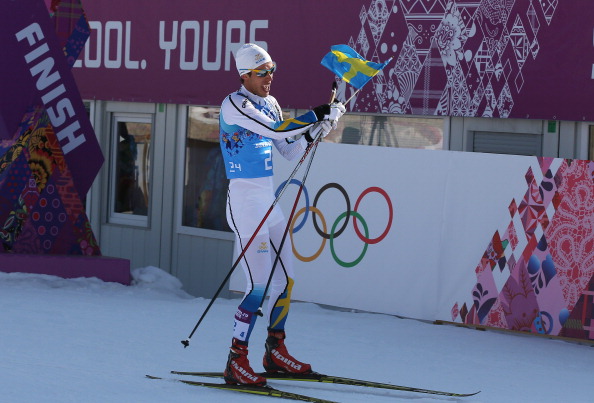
(201, 258)
(197, 258)
(565, 139)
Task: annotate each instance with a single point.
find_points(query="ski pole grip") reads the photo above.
(333, 95)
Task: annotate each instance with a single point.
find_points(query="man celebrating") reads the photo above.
(251, 123)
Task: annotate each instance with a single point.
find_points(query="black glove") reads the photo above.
(322, 111)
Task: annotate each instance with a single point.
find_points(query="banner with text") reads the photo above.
(35, 72)
(491, 58)
(49, 153)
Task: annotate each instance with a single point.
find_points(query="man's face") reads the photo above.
(259, 85)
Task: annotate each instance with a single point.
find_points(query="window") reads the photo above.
(507, 143)
(591, 144)
(389, 131)
(130, 185)
(205, 181)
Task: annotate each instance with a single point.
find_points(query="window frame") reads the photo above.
(114, 217)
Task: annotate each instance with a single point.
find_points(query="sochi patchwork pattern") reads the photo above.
(454, 58)
(537, 273)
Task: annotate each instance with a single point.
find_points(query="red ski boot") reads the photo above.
(238, 370)
(278, 359)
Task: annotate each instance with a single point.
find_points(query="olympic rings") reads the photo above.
(348, 203)
(319, 251)
(334, 232)
(356, 261)
(298, 183)
(391, 215)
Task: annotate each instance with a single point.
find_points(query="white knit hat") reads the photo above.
(250, 56)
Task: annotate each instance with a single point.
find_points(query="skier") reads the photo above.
(251, 122)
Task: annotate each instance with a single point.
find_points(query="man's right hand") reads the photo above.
(324, 126)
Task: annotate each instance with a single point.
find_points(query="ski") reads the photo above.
(254, 390)
(317, 377)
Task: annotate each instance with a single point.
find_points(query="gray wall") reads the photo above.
(201, 258)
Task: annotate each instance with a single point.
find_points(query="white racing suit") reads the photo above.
(249, 126)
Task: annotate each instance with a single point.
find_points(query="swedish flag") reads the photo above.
(350, 66)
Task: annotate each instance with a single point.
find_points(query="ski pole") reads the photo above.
(186, 342)
(280, 248)
(315, 143)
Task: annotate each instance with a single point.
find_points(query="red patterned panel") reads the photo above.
(570, 234)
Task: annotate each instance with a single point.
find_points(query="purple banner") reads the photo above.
(490, 58)
(49, 154)
(36, 73)
(181, 51)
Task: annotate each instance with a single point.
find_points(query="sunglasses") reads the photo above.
(264, 73)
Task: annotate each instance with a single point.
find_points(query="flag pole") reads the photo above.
(351, 97)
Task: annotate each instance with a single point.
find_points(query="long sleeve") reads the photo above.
(239, 110)
(291, 150)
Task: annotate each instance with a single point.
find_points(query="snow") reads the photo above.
(84, 340)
